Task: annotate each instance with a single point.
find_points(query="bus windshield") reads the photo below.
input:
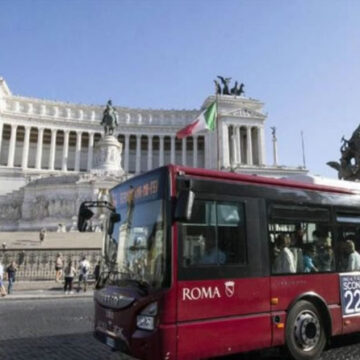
(135, 250)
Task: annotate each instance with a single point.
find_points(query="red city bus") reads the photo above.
(201, 263)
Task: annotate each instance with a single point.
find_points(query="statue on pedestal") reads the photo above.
(110, 119)
(236, 90)
(107, 154)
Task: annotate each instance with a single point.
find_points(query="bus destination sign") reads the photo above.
(350, 294)
(141, 189)
(140, 192)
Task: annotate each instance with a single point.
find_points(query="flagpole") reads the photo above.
(303, 149)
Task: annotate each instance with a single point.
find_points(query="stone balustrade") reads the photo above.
(39, 264)
(89, 114)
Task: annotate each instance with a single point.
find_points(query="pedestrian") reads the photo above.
(59, 263)
(42, 235)
(11, 272)
(2, 287)
(84, 268)
(97, 273)
(69, 273)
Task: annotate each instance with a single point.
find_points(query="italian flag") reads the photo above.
(205, 121)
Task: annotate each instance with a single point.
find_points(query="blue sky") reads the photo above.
(301, 58)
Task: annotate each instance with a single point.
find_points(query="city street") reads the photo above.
(49, 329)
(56, 329)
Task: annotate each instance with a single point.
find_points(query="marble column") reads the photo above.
(65, 150)
(90, 151)
(138, 154)
(183, 152)
(241, 148)
(25, 152)
(11, 154)
(207, 154)
(172, 151)
(195, 150)
(237, 145)
(78, 150)
(161, 150)
(39, 148)
(1, 134)
(224, 146)
(52, 149)
(150, 155)
(249, 159)
(261, 147)
(233, 154)
(127, 149)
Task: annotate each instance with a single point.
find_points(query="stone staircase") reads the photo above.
(53, 240)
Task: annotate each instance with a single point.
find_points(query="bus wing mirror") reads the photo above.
(85, 214)
(114, 218)
(184, 205)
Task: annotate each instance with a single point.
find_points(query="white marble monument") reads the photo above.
(52, 202)
(54, 155)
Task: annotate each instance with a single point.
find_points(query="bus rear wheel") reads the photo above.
(305, 336)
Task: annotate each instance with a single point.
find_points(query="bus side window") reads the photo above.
(231, 232)
(348, 258)
(199, 234)
(305, 246)
(215, 235)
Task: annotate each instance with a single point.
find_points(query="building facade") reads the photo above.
(40, 138)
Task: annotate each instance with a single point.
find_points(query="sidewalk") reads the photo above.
(30, 290)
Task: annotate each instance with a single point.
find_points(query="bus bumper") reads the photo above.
(115, 343)
(143, 345)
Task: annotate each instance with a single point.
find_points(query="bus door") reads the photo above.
(223, 290)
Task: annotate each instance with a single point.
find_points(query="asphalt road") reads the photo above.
(57, 329)
(49, 329)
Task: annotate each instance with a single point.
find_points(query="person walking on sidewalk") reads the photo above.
(11, 272)
(97, 272)
(59, 263)
(69, 273)
(2, 287)
(42, 235)
(84, 268)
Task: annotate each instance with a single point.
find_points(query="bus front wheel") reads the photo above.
(305, 334)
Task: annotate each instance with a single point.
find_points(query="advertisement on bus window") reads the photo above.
(350, 294)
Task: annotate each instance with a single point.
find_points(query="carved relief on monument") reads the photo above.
(10, 211)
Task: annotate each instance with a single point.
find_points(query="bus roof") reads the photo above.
(335, 186)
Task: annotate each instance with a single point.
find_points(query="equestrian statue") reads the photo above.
(110, 119)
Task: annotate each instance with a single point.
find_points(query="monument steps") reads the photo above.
(53, 240)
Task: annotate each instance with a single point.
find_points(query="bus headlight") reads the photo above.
(146, 319)
(145, 322)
